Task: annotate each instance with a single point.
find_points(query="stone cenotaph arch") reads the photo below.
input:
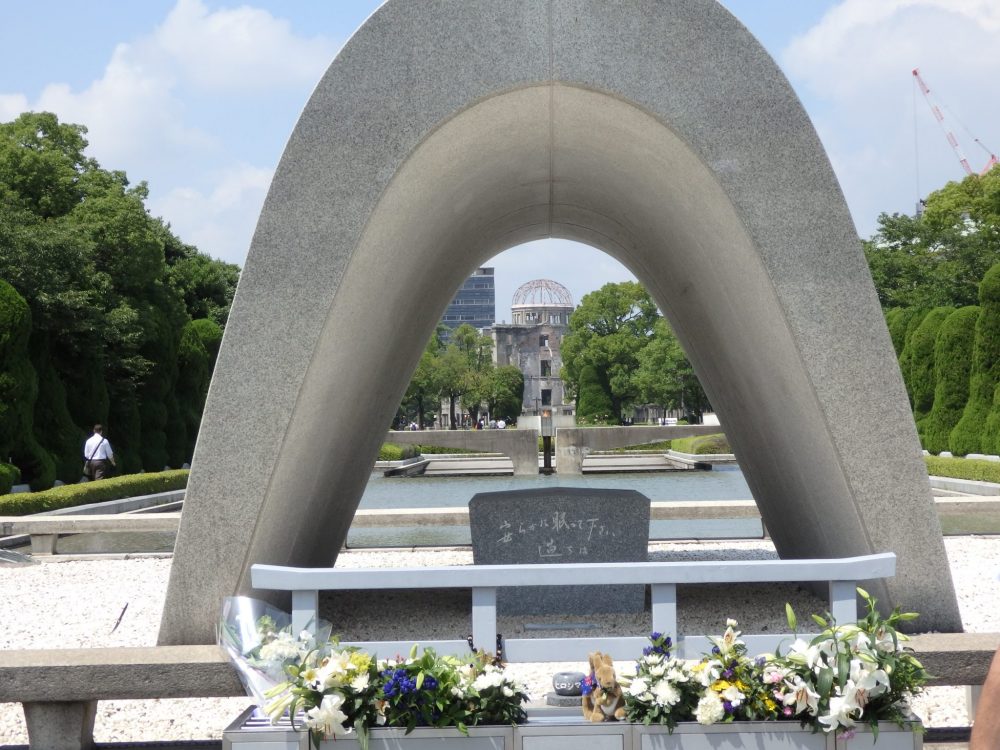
(659, 131)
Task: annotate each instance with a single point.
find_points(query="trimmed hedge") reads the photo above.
(9, 475)
(970, 434)
(952, 363)
(921, 372)
(70, 495)
(963, 468)
(703, 445)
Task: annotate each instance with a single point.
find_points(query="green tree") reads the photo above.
(606, 333)
(424, 390)
(969, 435)
(939, 258)
(952, 366)
(665, 376)
(466, 357)
(506, 394)
(593, 400)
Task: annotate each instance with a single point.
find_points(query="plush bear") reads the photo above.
(604, 702)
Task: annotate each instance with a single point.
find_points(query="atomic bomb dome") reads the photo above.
(542, 293)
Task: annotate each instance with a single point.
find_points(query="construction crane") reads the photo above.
(952, 140)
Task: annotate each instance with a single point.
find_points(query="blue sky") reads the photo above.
(198, 97)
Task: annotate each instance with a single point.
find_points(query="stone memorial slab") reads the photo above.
(561, 525)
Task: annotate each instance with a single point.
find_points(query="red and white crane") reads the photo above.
(939, 116)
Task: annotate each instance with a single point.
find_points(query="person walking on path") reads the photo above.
(97, 454)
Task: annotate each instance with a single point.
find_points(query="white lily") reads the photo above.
(327, 716)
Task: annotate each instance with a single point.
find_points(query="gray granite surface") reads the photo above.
(560, 525)
(660, 132)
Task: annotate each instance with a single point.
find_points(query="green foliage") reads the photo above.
(463, 370)
(665, 377)
(53, 424)
(898, 320)
(17, 377)
(702, 445)
(938, 259)
(593, 400)
(920, 374)
(9, 476)
(71, 495)
(606, 333)
(110, 289)
(389, 452)
(969, 435)
(506, 392)
(952, 364)
(963, 468)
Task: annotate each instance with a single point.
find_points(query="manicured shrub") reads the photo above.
(952, 365)
(194, 365)
(54, 428)
(969, 435)
(390, 452)
(177, 448)
(963, 468)
(921, 364)
(9, 476)
(906, 355)
(702, 445)
(124, 433)
(18, 392)
(898, 320)
(71, 495)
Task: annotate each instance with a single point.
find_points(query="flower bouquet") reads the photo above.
(663, 690)
(735, 687)
(850, 674)
(335, 691)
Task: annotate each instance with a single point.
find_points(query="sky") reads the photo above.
(198, 97)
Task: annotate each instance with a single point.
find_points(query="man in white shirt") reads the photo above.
(97, 454)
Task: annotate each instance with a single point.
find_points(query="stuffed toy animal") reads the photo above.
(604, 701)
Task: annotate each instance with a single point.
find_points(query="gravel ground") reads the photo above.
(76, 603)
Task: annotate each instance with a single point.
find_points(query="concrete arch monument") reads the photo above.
(658, 131)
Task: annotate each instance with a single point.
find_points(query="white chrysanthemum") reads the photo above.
(488, 680)
(637, 687)
(507, 691)
(666, 693)
(710, 709)
(658, 670)
(281, 648)
(360, 682)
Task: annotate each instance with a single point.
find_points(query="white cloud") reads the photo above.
(11, 105)
(243, 48)
(855, 67)
(221, 221)
(147, 114)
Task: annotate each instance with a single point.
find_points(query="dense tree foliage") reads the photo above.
(620, 343)
(666, 378)
(606, 332)
(939, 258)
(111, 292)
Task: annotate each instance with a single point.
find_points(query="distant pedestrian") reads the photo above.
(97, 454)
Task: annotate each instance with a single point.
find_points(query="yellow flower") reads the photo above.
(720, 685)
(770, 705)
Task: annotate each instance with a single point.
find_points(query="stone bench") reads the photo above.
(59, 688)
(45, 530)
